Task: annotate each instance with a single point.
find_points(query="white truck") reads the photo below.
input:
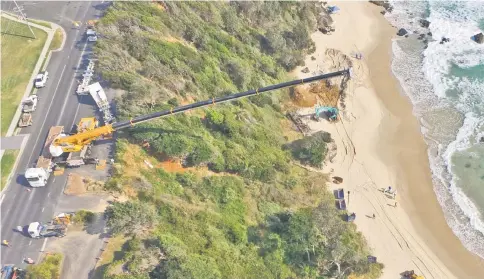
(41, 79)
(38, 230)
(29, 104)
(39, 175)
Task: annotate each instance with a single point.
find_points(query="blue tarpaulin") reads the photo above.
(333, 9)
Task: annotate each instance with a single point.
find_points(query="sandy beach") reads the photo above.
(379, 144)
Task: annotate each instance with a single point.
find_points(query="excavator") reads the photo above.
(59, 143)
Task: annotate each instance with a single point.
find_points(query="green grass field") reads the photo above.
(20, 53)
(8, 160)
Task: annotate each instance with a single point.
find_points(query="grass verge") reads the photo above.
(8, 160)
(57, 40)
(41, 22)
(112, 252)
(20, 53)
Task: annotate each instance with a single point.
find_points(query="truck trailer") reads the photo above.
(39, 175)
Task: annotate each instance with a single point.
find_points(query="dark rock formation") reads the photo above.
(424, 23)
(313, 58)
(444, 40)
(402, 32)
(429, 34)
(385, 4)
(481, 140)
(421, 36)
(305, 70)
(479, 38)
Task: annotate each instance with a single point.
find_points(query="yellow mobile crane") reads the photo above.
(59, 143)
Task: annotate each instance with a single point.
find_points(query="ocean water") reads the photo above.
(445, 83)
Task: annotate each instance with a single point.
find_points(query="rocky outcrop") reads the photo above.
(479, 38)
(305, 70)
(424, 23)
(402, 32)
(385, 4)
(444, 40)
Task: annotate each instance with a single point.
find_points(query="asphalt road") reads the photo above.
(58, 105)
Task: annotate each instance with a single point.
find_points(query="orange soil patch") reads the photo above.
(172, 166)
(320, 92)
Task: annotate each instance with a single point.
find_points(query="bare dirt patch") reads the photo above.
(78, 185)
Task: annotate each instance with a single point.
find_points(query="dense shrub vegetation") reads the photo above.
(49, 268)
(242, 209)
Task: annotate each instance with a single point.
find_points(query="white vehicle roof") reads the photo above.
(34, 172)
(33, 227)
(39, 76)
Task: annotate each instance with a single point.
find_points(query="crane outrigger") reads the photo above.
(59, 143)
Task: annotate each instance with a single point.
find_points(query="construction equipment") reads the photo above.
(29, 104)
(9, 271)
(25, 120)
(63, 143)
(38, 230)
(329, 112)
(410, 274)
(62, 219)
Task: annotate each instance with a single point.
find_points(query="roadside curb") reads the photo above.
(43, 61)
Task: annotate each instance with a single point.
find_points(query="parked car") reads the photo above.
(41, 79)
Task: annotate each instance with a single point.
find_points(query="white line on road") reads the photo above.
(43, 245)
(41, 250)
(48, 195)
(70, 86)
(1, 199)
(53, 180)
(30, 243)
(43, 208)
(47, 113)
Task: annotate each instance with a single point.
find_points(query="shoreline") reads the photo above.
(384, 146)
(419, 200)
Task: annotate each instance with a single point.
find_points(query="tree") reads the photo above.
(130, 217)
(239, 73)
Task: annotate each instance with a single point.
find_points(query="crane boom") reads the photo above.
(76, 142)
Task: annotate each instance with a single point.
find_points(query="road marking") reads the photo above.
(43, 209)
(48, 195)
(41, 250)
(70, 86)
(1, 199)
(43, 245)
(30, 243)
(53, 180)
(45, 118)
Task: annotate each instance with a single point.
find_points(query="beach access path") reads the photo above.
(379, 145)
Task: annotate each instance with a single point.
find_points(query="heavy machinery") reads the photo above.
(329, 112)
(38, 230)
(10, 271)
(76, 143)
